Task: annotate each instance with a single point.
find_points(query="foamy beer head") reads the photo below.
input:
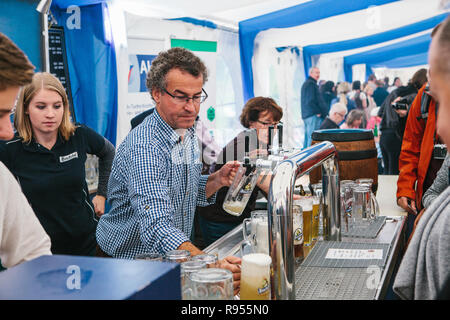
(255, 277)
(257, 216)
(262, 236)
(306, 203)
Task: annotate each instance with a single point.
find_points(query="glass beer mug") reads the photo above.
(177, 256)
(367, 182)
(240, 191)
(346, 196)
(186, 269)
(257, 235)
(363, 207)
(255, 277)
(209, 284)
(297, 216)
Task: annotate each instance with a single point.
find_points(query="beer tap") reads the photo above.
(280, 137)
(269, 143)
(275, 156)
(248, 166)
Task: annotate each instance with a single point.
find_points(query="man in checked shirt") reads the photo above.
(156, 182)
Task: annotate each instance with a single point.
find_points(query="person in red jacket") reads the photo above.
(417, 165)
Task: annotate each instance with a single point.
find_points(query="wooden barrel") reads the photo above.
(357, 154)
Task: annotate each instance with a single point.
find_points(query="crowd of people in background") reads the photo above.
(376, 104)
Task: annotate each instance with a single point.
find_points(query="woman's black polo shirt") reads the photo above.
(54, 183)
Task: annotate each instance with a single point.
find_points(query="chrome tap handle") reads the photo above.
(280, 137)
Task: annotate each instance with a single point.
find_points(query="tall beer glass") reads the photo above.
(307, 207)
(255, 277)
(297, 215)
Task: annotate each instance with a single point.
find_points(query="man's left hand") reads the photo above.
(99, 205)
(233, 264)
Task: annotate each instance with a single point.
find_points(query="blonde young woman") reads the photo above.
(47, 157)
(342, 91)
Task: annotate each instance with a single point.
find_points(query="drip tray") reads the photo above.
(361, 231)
(319, 283)
(341, 271)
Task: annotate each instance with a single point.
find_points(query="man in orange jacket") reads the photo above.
(416, 161)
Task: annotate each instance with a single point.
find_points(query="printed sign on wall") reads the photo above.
(139, 66)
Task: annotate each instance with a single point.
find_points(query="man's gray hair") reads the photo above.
(338, 107)
(175, 58)
(312, 68)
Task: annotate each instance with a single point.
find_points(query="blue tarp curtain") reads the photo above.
(92, 65)
(286, 18)
(376, 57)
(402, 62)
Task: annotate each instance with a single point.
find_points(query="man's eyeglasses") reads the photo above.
(185, 99)
(267, 123)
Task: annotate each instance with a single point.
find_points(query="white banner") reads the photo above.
(207, 52)
(141, 52)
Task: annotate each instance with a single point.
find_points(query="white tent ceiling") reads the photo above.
(354, 24)
(224, 13)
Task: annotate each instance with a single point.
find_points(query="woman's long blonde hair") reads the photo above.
(41, 80)
(342, 90)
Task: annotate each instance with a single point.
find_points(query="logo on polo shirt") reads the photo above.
(68, 157)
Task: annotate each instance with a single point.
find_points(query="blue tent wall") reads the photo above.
(309, 51)
(286, 18)
(63, 4)
(402, 62)
(20, 22)
(410, 47)
(92, 66)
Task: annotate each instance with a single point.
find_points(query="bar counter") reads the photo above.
(390, 238)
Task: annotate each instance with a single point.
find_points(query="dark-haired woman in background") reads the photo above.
(258, 113)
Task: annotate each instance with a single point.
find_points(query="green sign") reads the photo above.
(195, 45)
(211, 113)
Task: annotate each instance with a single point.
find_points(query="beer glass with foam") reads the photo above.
(257, 235)
(297, 215)
(306, 204)
(255, 277)
(240, 191)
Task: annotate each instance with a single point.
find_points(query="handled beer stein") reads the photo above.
(256, 233)
(240, 191)
(209, 284)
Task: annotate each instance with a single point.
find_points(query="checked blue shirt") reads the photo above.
(154, 188)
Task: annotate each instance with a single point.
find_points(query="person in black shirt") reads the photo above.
(258, 113)
(328, 92)
(380, 93)
(47, 157)
(335, 117)
(313, 107)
